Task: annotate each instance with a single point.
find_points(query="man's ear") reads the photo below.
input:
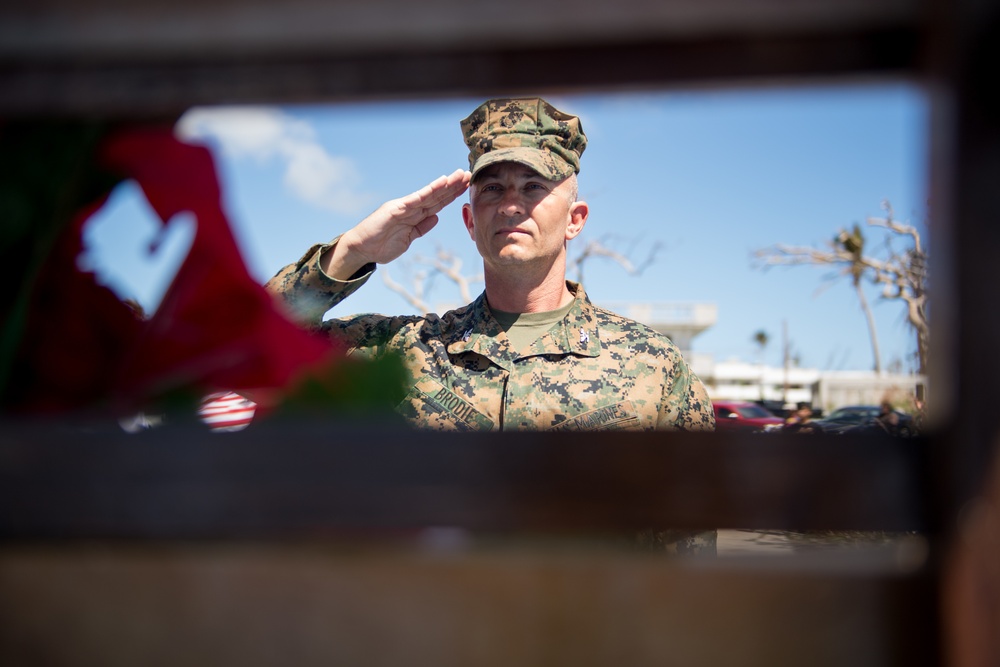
(578, 213)
(470, 225)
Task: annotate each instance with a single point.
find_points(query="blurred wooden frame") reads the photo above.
(152, 60)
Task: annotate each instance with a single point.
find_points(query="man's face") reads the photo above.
(516, 217)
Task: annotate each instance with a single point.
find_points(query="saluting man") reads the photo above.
(532, 352)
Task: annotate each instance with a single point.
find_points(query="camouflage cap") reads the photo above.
(530, 131)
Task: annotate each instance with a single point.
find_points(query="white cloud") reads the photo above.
(262, 133)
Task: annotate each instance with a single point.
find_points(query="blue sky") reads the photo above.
(710, 175)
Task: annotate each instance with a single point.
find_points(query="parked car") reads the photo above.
(743, 416)
(858, 418)
(848, 416)
(779, 409)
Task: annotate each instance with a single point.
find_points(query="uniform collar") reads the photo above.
(476, 330)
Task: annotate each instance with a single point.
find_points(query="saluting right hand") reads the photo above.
(388, 232)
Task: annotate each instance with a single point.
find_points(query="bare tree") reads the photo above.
(902, 273)
(603, 247)
(444, 263)
(421, 272)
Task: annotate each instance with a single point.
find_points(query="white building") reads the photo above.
(824, 390)
(737, 380)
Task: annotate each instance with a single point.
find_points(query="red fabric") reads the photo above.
(216, 329)
(75, 332)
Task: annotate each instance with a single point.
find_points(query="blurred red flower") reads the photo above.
(216, 328)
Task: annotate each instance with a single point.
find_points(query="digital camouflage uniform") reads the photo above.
(593, 371)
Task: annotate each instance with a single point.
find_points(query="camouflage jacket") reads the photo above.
(594, 370)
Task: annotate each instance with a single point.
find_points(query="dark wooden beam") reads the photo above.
(252, 605)
(141, 86)
(303, 479)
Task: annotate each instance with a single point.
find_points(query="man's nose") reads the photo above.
(511, 204)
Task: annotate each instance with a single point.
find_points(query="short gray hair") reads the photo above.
(574, 188)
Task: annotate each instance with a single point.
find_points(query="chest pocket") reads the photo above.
(429, 404)
(618, 417)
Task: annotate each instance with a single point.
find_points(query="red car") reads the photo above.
(742, 416)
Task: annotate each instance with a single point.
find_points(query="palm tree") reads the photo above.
(762, 338)
(854, 244)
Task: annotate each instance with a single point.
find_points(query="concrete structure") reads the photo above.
(681, 322)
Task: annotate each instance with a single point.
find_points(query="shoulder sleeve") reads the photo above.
(307, 292)
(686, 405)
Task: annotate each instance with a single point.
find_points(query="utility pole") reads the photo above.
(786, 355)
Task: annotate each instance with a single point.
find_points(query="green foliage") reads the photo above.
(351, 388)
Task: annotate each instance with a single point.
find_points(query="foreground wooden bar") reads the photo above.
(158, 58)
(320, 542)
(305, 478)
(527, 604)
(169, 86)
